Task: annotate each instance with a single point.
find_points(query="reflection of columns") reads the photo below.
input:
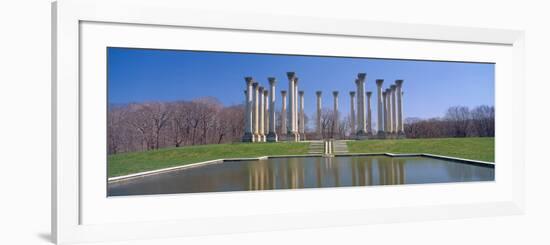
(369, 115)
(266, 113)
(380, 123)
(400, 119)
(301, 121)
(272, 136)
(393, 111)
(255, 112)
(361, 120)
(352, 111)
(261, 117)
(319, 108)
(336, 114)
(248, 137)
(291, 127)
(283, 113)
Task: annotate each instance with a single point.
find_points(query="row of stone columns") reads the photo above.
(259, 112)
(260, 117)
(390, 110)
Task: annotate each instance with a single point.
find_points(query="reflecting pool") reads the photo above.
(304, 172)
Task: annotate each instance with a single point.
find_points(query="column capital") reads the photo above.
(361, 76)
(335, 93)
(261, 89)
(255, 85)
(392, 87)
(283, 92)
(301, 92)
(379, 82)
(295, 80)
(249, 80)
(369, 94)
(266, 92)
(291, 75)
(399, 82)
(319, 93)
(352, 93)
(272, 81)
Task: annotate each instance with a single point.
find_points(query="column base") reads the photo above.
(248, 137)
(272, 137)
(293, 136)
(262, 138)
(381, 135)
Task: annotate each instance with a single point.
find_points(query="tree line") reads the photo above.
(459, 121)
(153, 125)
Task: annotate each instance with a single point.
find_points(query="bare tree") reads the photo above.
(459, 121)
(483, 120)
(115, 129)
(459, 118)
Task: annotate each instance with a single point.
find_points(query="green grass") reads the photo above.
(128, 163)
(135, 162)
(482, 149)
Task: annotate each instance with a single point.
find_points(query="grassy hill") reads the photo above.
(482, 149)
(128, 163)
(135, 162)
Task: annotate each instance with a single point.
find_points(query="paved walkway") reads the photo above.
(316, 147)
(339, 147)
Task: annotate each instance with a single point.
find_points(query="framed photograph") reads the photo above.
(171, 122)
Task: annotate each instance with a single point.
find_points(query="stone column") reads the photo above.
(266, 113)
(272, 136)
(319, 110)
(291, 130)
(380, 108)
(301, 124)
(386, 125)
(369, 114)
(352, 110)
(296, 109)
(393, 111)
(389, 129)
(261, 109)
(283, 113)
(255, 112)
(400, 118)
(362, 127)
(336, 113)
(248, 137)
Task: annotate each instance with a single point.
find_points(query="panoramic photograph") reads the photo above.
(186, 121)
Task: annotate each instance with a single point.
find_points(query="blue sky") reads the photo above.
(139, 75)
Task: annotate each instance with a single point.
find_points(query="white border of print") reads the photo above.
(81, 215)
(95, 37)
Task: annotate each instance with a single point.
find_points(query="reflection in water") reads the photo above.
(304, 172)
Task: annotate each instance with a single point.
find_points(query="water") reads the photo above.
(304, 172)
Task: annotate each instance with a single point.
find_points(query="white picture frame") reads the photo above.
(70, 199)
